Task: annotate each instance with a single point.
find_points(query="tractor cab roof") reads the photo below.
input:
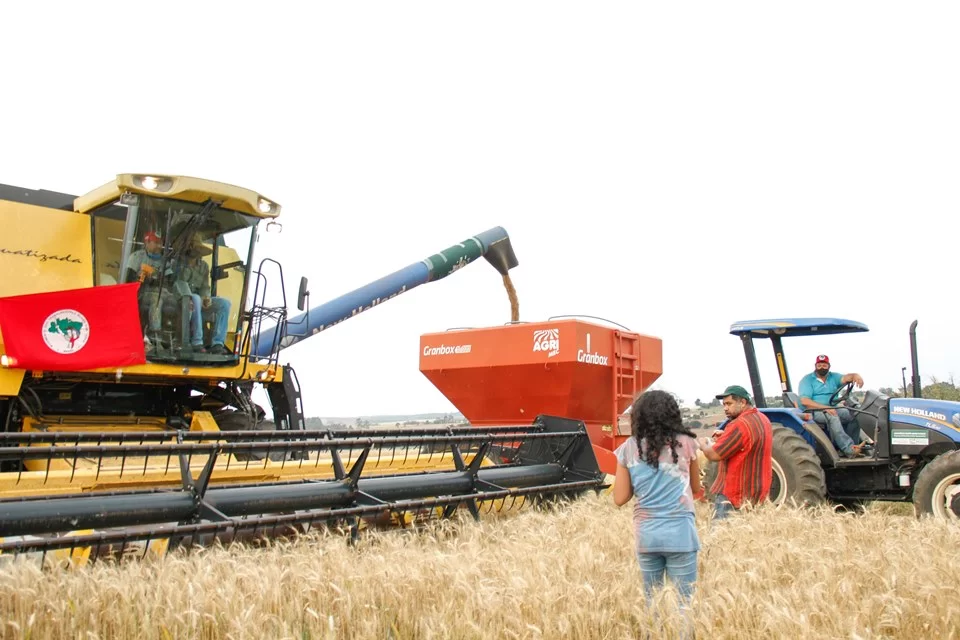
(787, 327)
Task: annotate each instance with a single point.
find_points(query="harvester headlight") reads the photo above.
(265, 206)
(153, 183)
(7, 361)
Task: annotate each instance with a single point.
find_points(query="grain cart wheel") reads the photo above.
(937, 491)
(797, 474)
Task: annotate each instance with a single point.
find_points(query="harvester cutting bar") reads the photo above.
(266, 526)
(552, 457)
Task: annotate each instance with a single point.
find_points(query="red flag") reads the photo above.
(73, 330)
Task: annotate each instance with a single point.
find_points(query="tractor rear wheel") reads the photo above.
(798, 477)
(937, 491)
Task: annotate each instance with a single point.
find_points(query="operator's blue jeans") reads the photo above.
(220, 307)
(843, 429)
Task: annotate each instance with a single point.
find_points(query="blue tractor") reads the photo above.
(915, 453)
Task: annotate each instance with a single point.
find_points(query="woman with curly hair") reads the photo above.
(658, 466)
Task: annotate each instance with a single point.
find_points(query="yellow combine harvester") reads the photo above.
(161, 442)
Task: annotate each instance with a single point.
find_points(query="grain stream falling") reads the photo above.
(514, 300)
(569, 573)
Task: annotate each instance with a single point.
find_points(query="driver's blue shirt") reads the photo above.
(811, 387)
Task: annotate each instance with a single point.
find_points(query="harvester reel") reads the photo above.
(374, 477)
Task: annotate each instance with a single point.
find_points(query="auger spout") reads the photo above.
(492, 244)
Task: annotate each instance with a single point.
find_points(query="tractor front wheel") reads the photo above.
(937, 491)
(798, 477)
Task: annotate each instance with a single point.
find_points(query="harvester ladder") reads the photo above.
(626, 363)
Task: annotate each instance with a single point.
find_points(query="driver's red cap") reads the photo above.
(823, 359)
(151, 236)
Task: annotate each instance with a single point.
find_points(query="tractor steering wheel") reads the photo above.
(840, 395)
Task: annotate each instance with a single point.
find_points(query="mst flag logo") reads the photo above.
(66, 331)
(73, 330)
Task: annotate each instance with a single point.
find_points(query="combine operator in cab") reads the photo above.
(146, 266)
(192, 267)
(193, 281)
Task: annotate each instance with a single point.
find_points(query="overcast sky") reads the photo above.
(673, 167)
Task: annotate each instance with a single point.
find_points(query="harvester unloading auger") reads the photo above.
(165, 446)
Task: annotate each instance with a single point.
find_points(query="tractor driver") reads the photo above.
(193, 279)
(144, 265)
(815, 390)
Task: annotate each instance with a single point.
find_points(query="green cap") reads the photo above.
(734, 390)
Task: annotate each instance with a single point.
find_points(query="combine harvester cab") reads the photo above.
(168, 448)
(569, 367)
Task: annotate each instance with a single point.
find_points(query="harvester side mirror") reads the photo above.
(303, 295)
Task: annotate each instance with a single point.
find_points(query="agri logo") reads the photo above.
(66, 331)
(547, 340)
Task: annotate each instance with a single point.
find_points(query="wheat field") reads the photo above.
(568, 572)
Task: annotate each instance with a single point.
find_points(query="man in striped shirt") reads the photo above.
(743, 453)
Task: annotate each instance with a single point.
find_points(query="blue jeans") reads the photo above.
(681, 567)
(220, 307)
(722, 507)
(843, 429)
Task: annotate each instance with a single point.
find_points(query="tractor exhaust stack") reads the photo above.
(917, 390)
